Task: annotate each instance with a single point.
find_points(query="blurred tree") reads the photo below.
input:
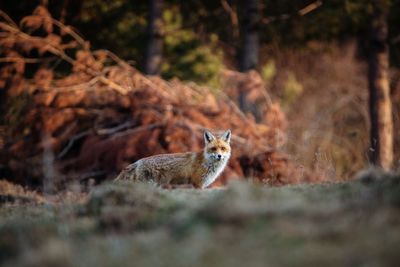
(248, 55)
(378, 77)
(250, 43)
(155, 38)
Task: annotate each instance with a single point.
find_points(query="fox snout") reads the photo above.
(217, 156)
(220, 157)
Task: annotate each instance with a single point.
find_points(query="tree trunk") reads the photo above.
(379, 91)
(155, 39)
(250, 43)
(248, 60)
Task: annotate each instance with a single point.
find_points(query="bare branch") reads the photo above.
(19, 59)
(305, 10)
(233, 15)
(72, 142)
(108, 131)
(148, 127)
(72, 33)
(113, 85)
(311, 7)
(7, 18)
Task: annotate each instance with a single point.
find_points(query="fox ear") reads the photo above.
(208, 137)
(226, 136)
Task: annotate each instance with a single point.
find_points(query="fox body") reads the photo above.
(199, 169)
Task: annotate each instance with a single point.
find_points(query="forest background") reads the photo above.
(312, 58)
(310, 90)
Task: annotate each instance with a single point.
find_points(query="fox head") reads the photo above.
(217, 148)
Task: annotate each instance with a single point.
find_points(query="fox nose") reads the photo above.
(219, 156)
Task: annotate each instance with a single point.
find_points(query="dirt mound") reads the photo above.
(102, 114)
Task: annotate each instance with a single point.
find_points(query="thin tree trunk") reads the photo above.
(379, 91)
(155, 39)
(248, 59)
(250, 45)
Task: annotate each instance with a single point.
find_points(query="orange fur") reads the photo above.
(199, 169)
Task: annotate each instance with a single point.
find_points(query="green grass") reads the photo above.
(133, 224)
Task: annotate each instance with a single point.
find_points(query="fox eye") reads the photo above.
(213, 149)
(223, 149)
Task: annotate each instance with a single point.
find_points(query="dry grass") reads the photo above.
(338, 224)
(13, 193)
(328, 127)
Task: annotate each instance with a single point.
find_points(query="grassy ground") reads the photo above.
(133, 224)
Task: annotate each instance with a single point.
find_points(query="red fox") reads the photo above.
(199, 169)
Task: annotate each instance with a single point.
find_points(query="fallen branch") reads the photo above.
(136, 130)
(113, 85)
(7, 18)
(71, 142)
(109, 131)
(19, 59)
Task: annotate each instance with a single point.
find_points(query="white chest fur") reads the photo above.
(214, 169)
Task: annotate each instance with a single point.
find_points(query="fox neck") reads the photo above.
(213, 168)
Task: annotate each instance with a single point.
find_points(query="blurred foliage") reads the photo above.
(185, 56)
(291, 90)
(120, 26)
(268, 71)
(196, 32)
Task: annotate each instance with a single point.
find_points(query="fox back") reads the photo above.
(199, 169)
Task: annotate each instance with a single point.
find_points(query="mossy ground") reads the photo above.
(133, 224)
